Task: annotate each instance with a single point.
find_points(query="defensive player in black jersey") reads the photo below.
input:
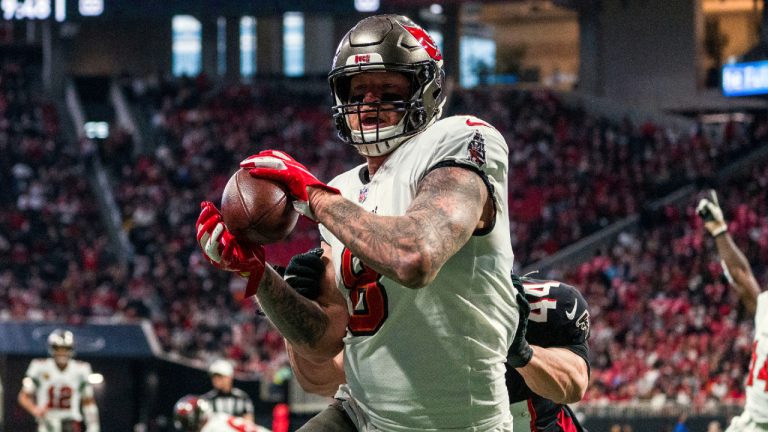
(556, 363)
(559, 319)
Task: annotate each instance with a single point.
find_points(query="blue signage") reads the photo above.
(91, 340)
(743, 79)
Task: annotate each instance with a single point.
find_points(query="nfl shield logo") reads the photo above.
(476, 149)
(362, 195)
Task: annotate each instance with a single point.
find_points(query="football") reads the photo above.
(257, 210)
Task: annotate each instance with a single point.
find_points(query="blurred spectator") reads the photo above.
(680, 425)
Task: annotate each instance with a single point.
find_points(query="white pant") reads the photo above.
(744, 423)
(49, 424)
(363, 423)
(359, 418)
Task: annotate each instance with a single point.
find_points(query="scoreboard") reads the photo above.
(745, 79)
(78, 10)
(46, 9)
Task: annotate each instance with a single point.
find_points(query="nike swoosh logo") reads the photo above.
(477, 123)
(572, 314)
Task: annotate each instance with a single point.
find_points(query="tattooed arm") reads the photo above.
(322, 378)
(314, 329)
(450, 204)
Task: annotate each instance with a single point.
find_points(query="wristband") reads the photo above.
(722, 229)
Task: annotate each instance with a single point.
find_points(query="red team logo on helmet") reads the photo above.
(426, 41)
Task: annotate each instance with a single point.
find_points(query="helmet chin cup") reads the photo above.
(379, 141)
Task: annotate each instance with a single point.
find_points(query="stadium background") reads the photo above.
(119, 117)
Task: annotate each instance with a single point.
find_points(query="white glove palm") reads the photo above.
(712, 214)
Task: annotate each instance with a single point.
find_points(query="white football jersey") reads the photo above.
(521, 417)
(757, 381)
(222, 422)
(62, 391)
(432, 358)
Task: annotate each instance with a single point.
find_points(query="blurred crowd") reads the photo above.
(572, 174)
(689, 340)
(54, 259)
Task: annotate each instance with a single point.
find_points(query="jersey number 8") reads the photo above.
(366, 293)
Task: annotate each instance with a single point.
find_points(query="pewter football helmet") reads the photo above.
(391, 43)
(190, 412)
(60, 339)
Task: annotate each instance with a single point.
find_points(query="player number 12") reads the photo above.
(62, 400)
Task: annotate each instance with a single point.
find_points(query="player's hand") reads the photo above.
(278, 166)
(304, 273)
(520, 352)
(39, 411)
(223, 250)
(712, 214)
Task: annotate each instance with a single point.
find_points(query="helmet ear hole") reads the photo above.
(425, 74)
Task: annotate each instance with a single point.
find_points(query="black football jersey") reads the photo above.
(559, 318)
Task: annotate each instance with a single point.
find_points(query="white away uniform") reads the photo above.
(432, 358)
(62, 391)
(755, 415)
(222, 422)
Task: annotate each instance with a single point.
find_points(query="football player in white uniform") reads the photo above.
(416, 244)
(56, 390)
(195, 414)
(739, 274)
(557, 373)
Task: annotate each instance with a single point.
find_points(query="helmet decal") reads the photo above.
(364, 58)
(426, 41)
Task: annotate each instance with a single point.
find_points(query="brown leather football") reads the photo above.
(257, 210)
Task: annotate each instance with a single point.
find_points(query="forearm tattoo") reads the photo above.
(299, 320)
(439, 221)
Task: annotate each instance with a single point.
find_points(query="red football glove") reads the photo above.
(278, 166)
(222, 250)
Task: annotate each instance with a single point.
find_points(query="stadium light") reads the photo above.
(61, 10)
(91, 7)
(96, 129)
(367, 5)
(95, 378)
